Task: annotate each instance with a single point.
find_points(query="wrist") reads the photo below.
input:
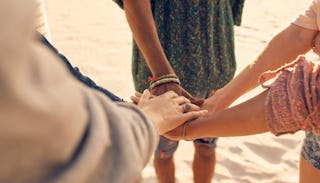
(226, 96)
(154, 117)
(162, 68)
(190, 129)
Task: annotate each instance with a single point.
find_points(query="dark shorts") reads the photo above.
(311, 149)
(167, 147)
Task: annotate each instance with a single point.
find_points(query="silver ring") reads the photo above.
(186, 107)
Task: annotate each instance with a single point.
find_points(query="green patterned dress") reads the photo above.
(198, 39)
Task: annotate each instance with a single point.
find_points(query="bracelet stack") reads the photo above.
(168, 78)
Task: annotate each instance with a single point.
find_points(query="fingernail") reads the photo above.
(212, 92)
(146, 91)
(205, 111)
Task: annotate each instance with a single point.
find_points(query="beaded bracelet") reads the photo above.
(153, 79)
(163, 81)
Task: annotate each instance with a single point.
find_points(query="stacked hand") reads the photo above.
(215, 103)
(176, 133)
(178, 90)
(168, 110)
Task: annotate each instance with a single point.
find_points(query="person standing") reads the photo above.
(180, 45)
(298, 38)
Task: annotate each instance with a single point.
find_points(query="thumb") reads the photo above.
(145, 95)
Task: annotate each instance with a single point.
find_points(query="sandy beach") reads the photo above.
(95, 36)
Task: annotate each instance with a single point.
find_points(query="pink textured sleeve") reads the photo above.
(293, 100)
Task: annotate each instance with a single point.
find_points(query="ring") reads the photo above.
(186, 107)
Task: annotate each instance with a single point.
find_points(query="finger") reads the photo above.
(138, 94)
(151, 95)
(194, 114)
(135, 99)
(171, 94)
(194, 107)
(186, 108)
(189, 107)
(181, 100)
(212, 92)
(145, 95)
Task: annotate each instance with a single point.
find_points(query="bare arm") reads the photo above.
(282, 49)
(140, 19)
(234, 121)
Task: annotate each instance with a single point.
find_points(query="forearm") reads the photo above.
(244, 119)
(282, 49)
(141, 22)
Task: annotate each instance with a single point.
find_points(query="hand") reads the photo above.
(216, 102)
(137, 96)
(177, 89)
(167, 111)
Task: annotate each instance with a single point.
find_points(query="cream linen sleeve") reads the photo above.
(54, 129)
(310, 18)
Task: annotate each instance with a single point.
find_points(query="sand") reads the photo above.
(94, 35)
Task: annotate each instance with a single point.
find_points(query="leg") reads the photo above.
(204, 160)
(308, 173)
(165, 169)
(310, 159)
(163, 160)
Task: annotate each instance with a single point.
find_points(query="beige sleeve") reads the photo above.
(133, 139)
(309, 18)
(45, 112)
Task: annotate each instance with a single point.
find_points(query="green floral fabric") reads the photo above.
(198, 39)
